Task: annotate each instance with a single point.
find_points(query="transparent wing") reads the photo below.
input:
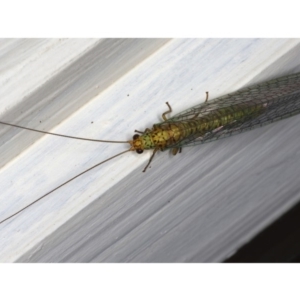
(278, 99)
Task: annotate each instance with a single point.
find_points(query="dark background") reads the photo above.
(280, 242)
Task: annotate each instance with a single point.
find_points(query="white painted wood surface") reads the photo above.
(201, 205)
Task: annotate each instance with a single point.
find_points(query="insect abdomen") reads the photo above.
(170, 133)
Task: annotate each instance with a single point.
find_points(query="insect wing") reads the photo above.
(261, 104)
(260, 93)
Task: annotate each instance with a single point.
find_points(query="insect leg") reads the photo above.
(149, 162)
(176, 150)
(164, 114)
(206, 99)
(142, 132)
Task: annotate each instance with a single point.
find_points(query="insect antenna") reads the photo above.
(102, 162)
(63, 135)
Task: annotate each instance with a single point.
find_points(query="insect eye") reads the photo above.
(135, 136)
(139, 151)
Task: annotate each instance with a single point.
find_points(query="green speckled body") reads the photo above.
(224, 116)
(169, 134)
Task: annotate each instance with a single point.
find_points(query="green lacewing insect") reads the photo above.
(234, 113)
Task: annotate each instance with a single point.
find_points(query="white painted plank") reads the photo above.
(198, 206)
(86, 68)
